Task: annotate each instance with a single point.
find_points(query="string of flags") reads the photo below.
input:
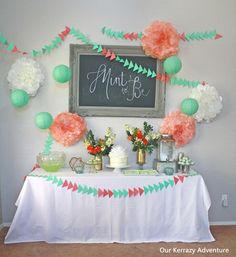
(116, 193)
(111, 55)
(186, 37)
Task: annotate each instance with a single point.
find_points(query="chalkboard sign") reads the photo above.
(101, 87)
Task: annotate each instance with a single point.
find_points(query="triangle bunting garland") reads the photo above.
(166, 184)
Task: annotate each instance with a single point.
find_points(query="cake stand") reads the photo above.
(117, 169)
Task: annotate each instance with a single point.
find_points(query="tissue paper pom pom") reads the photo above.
(209, 101)
(180, 126)
(160, 40)
(68, 128)
(25, 74)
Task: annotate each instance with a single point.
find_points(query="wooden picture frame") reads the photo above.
(100, 87)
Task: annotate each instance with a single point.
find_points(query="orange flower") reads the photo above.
(145, 142)
(160, 40)
(139, 134)
(129, 138)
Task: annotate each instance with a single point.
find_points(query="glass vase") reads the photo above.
(141, 158)
(98, 162)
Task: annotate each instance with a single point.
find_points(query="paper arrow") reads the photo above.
(140, 191)
(75, 187)
(70, 185)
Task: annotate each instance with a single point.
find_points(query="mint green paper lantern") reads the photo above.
(172, 65)
(62, 73)
(189, 106)
(43, 120)
(19, 98)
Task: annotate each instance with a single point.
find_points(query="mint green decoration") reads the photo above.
(19, 98)
(48, 144)
(172, 65)
(62, 73)
(116, 193)
(189, 106)
(200, 35)
(43, 120)
(184, 82)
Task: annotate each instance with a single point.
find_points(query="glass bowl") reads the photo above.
(52, 161)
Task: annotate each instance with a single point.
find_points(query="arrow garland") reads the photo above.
(48, 144)
(120, 34)
(183, 36)
(46, 49)
(116, 193)
(109, 54)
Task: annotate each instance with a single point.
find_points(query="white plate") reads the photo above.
(117, 167)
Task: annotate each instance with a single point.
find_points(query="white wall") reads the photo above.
(31, 24)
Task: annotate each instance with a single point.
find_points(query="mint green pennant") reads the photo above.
(99, 49)
(171, 182)
(131, 65)
(120, 193)
(115, 193)
(85, 190)
(125, 193)
(118, 58)
(161, 186)
(140, 69)
(146, 190)
(150, 188)
(55, 180)
(144, 71)
(80, 189)
(149, 73)
(95, 191)
(135, 67)
(156, 187)
(60, 182)
(2, 39)
(49, 178)
(166, 184)
(126, 63)
(95, 46)
(10, 47)
(153, 74)
(90, 190)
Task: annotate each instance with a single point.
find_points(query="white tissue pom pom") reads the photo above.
(118, 151)
(210, 102)
(25, 74)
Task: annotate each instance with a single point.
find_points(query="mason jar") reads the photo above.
(166, 148)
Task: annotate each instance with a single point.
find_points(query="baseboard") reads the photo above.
(223, 223)
(6, 224)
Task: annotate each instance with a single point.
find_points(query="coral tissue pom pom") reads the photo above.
(68, 128)
(160, 40)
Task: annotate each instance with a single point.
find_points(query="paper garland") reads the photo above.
(128, 64)
(120, 34)
(46, 49)
(183, 36)
(48, 144)
(116, 193)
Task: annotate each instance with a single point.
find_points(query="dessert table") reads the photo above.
(105, 207)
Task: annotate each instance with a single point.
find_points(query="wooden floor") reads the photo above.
(225, 241)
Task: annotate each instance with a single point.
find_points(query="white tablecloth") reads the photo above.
(102, 208)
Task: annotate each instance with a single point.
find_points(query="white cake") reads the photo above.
(118, 157)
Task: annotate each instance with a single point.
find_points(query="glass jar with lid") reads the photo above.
(166, 148)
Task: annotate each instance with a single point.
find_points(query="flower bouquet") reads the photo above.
(145, 139)
(99, 147)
